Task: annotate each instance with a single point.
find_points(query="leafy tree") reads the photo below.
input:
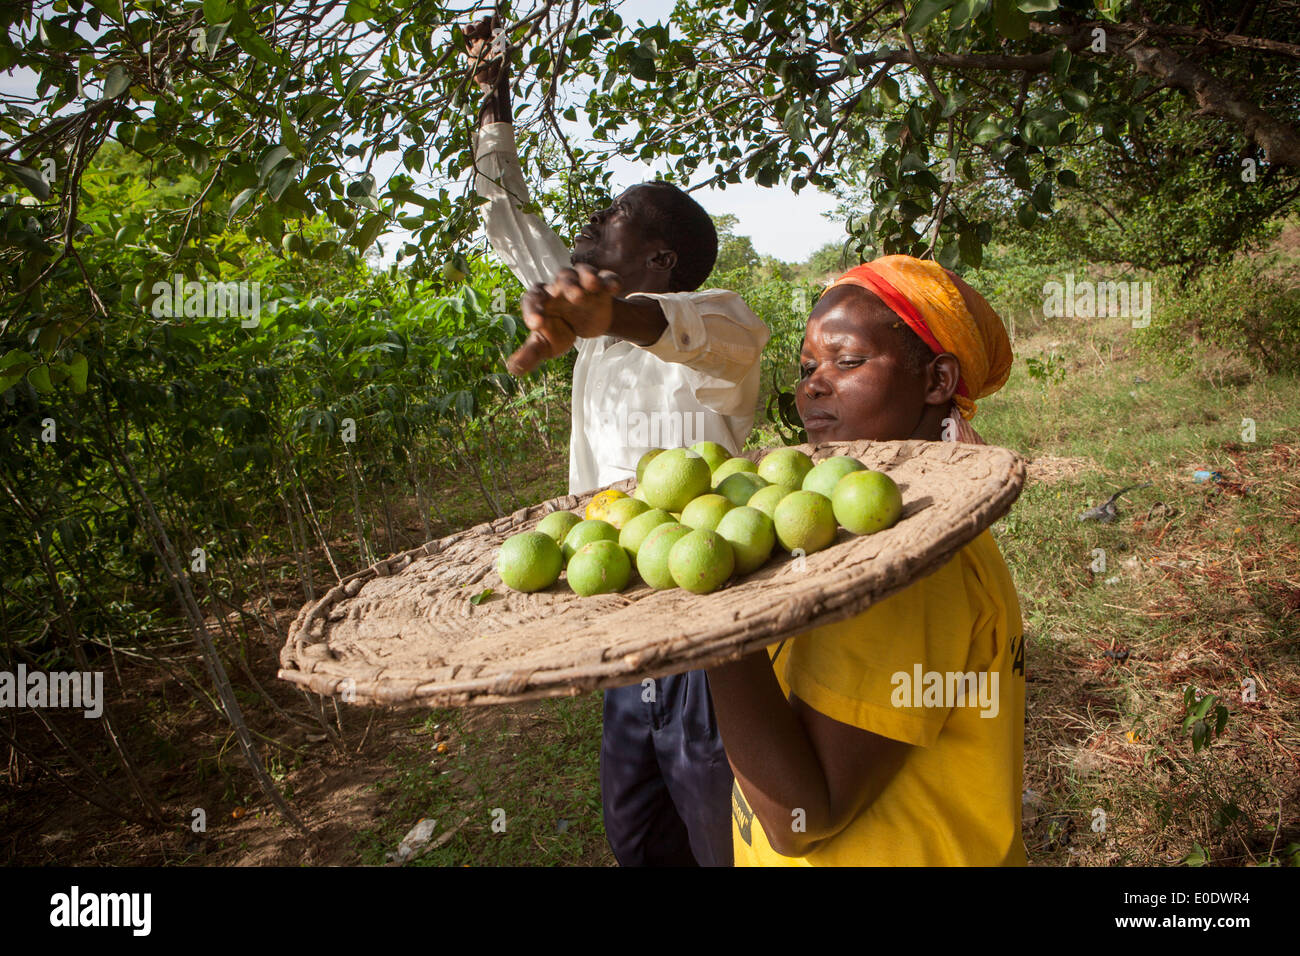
(830, 260)
(284, 111)
(734, 252)
(922, 101)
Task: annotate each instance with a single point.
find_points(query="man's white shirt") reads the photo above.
(699, 382)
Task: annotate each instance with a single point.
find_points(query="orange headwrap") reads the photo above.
(947, 314)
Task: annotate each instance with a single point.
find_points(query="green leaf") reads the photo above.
(274, 156)
(289, 133)
(1076, 101)
(364, 190)
(48, 340)
(641, 64)
(1026, 216)
(1038, 6)
(986, 132)
(482, 596)
(1061, 60)
(369, 230)
(295, 197)
(888, 89)
(14, 357)
(358, 11)
(1198, 857)
(253, 44)
(794, 123)
(1042, 132)
(217, 11)
(948, 255)
(1042, 198)
(354, 82)
(117, 82)
(28, 177)
(241, 200)
(972, 250)
(78, 370)
(965, 11)
(40, 378)
(195, 153)
(1011, 23)
(279, 180)
(109, 8)
(923, 12)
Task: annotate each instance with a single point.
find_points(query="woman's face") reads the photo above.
(856, 381)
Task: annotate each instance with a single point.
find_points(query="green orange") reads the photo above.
(701, 561)
(867, 501)
(740, 486)
(805, 522)
(711, 452)
(652, 558)
(733, 466)
(673, 478)
(620, 512)
(601, 567)
(558, 524)
(751, 536)
(585, 532)
(827, 473)
(638, 529)
(529, 561)
(705, 511)
(785, 466)
(766, 499)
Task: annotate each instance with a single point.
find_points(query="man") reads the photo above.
(660, 354)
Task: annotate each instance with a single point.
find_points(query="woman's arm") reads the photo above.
(805, 775)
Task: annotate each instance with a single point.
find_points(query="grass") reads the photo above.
(1199, 587)
(522, 780)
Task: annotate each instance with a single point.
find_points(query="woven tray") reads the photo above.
(404, 633)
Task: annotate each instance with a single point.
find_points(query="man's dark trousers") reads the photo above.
(664, 778)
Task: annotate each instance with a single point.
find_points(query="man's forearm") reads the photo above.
(496, 108)
(640, 321)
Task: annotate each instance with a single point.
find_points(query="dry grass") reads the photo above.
(1200, 589)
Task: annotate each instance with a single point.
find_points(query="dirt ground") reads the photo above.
(334, 791)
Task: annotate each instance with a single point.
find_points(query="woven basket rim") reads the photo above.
(306, 658)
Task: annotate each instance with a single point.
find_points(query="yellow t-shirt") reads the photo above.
(923, 666)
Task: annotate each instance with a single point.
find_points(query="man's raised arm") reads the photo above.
(523, 241)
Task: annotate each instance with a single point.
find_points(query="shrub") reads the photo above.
(1247, 306)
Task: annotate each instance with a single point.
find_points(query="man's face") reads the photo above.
(854, 379)
(615, 237)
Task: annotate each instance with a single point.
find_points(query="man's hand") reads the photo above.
(577, 303)
(479, 37)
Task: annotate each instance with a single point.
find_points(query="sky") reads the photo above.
(779, 222)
